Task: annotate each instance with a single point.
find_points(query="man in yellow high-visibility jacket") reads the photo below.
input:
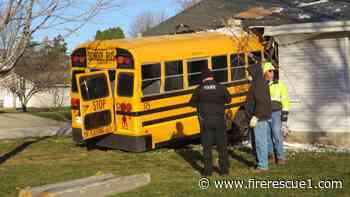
(280, 109)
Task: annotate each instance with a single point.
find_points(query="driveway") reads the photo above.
(21, 125)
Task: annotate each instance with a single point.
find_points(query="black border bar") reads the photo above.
(167, 108)
(186, 115)
(181, 93)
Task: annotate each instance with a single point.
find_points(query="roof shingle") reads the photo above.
(211, 14)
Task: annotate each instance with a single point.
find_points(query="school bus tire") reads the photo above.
(240, 127)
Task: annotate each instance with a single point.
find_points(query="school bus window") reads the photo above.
(238, 67)
(78, 58)
(194, 68)
(173, 75)
(151, 79)
(97, 119)
(219, 65)
(125, 59)
(74, 87)
(125, 84)
(254, 58)
(94, 87)
(111, 75)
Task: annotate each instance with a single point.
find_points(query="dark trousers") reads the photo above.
(213, 132)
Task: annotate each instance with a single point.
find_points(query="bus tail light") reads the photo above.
(78, 58)
(75, 103)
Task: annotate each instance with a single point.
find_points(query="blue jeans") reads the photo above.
(261, 139)
(275, 137)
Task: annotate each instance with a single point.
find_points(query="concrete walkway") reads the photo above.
(21, 125)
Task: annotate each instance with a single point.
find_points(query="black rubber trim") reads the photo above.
(177, 140)
(167, 108)
(77, 135)
(186, 115)
(156, 121)
(180, 93)
(126, 143)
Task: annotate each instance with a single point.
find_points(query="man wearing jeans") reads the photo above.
(280, 106)
(258, 107)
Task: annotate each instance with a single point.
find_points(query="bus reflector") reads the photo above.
(128, 107)
(123, 107)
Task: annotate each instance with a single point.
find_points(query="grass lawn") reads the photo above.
(62, 115)
(59, 114)
(173, 170)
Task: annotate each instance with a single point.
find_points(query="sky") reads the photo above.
(122, 17)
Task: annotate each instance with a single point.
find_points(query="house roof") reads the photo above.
(211, 14)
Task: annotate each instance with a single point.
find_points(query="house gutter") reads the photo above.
(320, 27)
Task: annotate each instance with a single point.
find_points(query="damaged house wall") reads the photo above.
(316, 70)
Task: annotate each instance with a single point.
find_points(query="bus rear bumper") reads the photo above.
(126, 143)
(117, 141)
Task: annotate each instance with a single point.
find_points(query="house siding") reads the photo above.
(316, 71)
(55, 97)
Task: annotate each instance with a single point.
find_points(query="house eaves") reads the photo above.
(213, 14)
(318, 27)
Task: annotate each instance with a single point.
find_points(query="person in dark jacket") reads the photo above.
(210, 98)
(258, 107)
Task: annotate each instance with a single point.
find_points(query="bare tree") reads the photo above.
(39, 69)
(146, 21)
(20, 19)
(184, 4)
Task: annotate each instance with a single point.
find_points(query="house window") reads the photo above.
(195, 68)
(238, 67)
(173, 75)
(219, 64)
(151, 76)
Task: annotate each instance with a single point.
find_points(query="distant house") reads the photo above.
(56, 95)
(309, 39)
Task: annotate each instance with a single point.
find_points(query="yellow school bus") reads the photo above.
(133, 94)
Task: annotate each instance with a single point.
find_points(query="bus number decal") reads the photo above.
(99, 104)
(146, 106)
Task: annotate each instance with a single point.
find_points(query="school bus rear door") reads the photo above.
(96, 104)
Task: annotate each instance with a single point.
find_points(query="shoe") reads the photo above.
(272, 159)
(260, 170)
(281, 162)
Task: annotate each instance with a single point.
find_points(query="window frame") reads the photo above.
(196, 73)
(243, 66)
(91, 76)
(221, 69)
(133, 83)
(150, 79)
(174, 76)
(74, 80)
(251, 52)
